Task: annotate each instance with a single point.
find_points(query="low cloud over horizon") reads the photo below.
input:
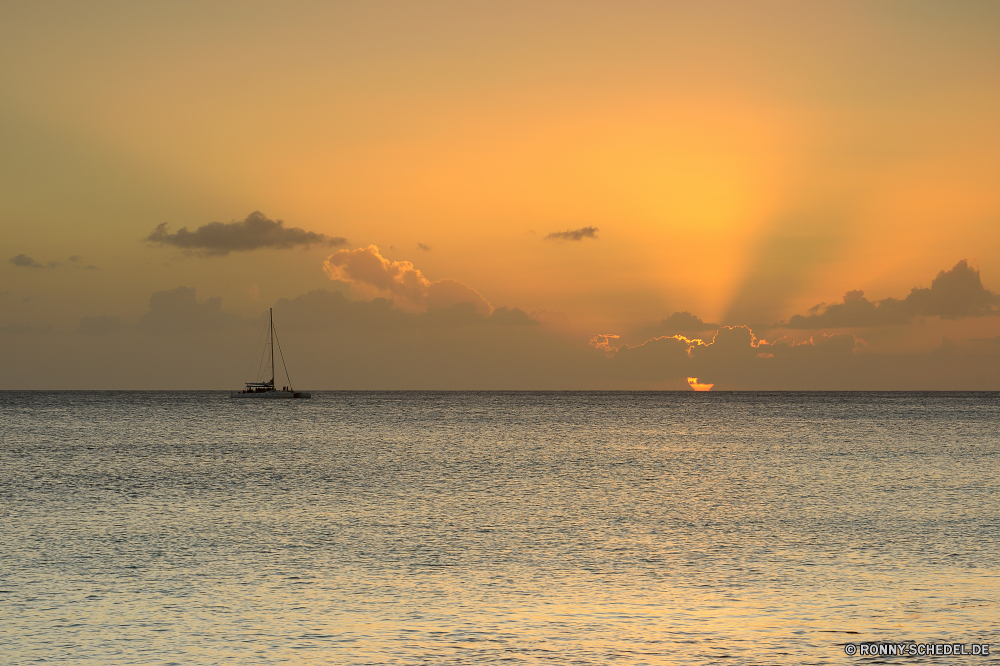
(332, 342)
(253, 233)
(408, 332)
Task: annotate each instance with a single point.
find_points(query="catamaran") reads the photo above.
(260, 389)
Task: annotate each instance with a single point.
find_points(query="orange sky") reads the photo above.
(740, 162)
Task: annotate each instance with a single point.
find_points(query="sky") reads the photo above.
(450, 195)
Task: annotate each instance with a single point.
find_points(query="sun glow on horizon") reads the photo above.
(697, 386)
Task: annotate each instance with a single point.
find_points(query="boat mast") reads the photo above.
(271, 315)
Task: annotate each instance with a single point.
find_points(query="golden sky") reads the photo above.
(743, 162)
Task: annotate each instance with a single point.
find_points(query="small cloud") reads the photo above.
(697, 386)
(425, 248)
(75, 258)
(254, 233)
(574, 234)
(24, 261)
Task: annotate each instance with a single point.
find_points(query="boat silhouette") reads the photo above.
(267, 390)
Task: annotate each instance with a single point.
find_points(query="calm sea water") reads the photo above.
(521, 528)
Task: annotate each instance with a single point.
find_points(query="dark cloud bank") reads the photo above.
(253, 233)
(332, 342)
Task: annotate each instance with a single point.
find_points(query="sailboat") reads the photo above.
(266, 390)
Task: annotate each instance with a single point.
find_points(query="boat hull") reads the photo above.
(271, 395)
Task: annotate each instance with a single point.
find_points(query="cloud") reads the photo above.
(952, 295)
(178, 311)
(553, 319)
(425, 248)
(24, 261)
(504, 316)
(678, 323)
(446, 293)
(254, 233)
(374, 275)
(331, 310)
(574, 234)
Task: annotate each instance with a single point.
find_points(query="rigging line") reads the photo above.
(289, 379)
(263, 355)
(250, 369)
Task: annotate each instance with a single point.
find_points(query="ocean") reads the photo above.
(478, 528)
